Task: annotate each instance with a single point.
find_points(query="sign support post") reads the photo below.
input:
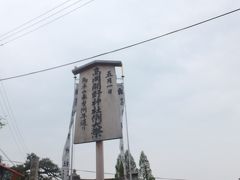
(99, 161)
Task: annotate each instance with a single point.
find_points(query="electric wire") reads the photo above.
(17, 162)
(33, 19)
(11, 115)
(168, 178)
(43, 25)
(90, 171)
(9, 125)
(7, 157)
(13, 127)
(39, 21)
(122, 48)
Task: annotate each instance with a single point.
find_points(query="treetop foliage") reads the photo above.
(47, 169)
(144, 172)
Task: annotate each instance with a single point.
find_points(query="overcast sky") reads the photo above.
(182, 91)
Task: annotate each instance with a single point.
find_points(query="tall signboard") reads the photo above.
(66, 159)
(98, 115)
(66, 163)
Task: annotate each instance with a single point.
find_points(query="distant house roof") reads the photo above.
(2, 166)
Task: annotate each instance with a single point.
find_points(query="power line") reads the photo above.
(10, 128)
(168, 178)
(9, 125)
(90, 171)
(33, 19)
(122, 48)
(11, 115)
(17, 162)
(39, 21)
(43, 25)
(7, 157)
(164, 178)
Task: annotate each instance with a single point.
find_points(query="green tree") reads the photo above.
(21, 168)
(47, 169)
(119, 168)
(25, 167)
(145, 171)
(132, 163)
(119, 165)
